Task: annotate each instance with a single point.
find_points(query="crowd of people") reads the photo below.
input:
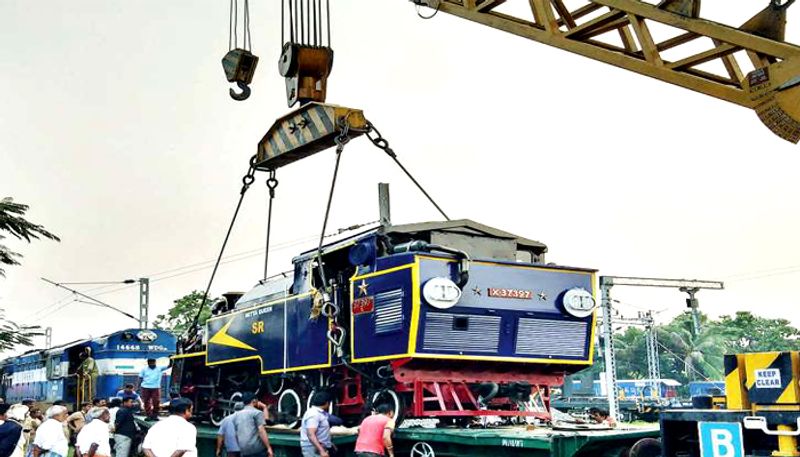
(107, 428)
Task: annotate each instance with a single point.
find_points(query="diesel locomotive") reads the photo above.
(443, 319)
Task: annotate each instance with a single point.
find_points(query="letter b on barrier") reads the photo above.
(720, 439)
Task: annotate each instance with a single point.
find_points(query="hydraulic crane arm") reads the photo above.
(618, 32)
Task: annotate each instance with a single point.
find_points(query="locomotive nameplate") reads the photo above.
(510, 293)
(363, 305)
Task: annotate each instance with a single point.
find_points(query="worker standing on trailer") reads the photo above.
(375, 433)
(150, 386)
(315, 433)
(251, 428)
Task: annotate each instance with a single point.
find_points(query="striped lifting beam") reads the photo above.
(306, 131)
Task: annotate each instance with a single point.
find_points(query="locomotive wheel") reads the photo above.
(275, 384)
(218, 414)
(290, 404)
(390, 396)
(646, 447)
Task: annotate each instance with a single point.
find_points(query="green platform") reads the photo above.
(471, 442)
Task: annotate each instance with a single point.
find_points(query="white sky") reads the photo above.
(116, 127)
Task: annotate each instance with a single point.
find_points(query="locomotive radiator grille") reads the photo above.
(547, 337)
(389, 311)
(461, 332)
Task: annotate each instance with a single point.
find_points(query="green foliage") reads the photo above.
(181, 316)
(687, 357)
(12, 221)
(12, 335)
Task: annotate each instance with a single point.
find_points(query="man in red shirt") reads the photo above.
(375, 433)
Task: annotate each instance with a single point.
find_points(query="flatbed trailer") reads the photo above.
(452, 442)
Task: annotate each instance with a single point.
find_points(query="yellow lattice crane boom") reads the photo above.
(620, 32)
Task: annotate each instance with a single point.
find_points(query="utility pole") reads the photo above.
(48, 337)
(144, 301)
(654, 371)
(694, 304)
(609, 355)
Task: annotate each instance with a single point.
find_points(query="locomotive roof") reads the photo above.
(461, 226)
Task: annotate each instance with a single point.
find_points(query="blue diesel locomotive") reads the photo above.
(46, 375)
(444, 319)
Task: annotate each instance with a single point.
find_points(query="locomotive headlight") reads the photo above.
(441, 293)
(579, 302)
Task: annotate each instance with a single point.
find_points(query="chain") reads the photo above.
(382, 143)
(272, 183)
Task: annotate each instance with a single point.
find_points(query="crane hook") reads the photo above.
(244, 95)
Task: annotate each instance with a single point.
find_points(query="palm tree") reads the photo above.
(701, 355)
(12, 220)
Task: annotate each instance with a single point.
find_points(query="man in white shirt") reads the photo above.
(173, 436)
(93, 439)
(50, 440)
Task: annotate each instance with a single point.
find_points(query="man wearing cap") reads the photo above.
(226, 435)
(93, 439)
(251, 431)
(150, 385)
(173, 436)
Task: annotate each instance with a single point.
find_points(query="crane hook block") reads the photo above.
(240, 66)
(312, 128)
(306, 69)
(774, 91)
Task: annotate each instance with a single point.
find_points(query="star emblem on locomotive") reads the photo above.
(542, 296)
(362, 288)
(476, 290)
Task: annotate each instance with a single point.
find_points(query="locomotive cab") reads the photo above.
(445, 319)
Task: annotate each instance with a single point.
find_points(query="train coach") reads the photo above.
(47, 375)
(445, 320)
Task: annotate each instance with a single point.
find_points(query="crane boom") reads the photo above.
(619, 32)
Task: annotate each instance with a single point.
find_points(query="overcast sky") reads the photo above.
(117, 129)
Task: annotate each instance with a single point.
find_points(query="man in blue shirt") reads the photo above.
(226, 435)
(150, 386)
(315, 433)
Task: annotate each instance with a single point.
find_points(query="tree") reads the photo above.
(697, 355)
(181, 316)
(12, 335)
(745, 332)
(12, 220)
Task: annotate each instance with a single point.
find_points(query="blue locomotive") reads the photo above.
(46, 375)
(444, 319)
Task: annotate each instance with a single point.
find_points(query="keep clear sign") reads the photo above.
(769, 378)
(720, 439)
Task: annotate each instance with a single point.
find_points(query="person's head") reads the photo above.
(101, 413)
(321, 400)
(128, 388)
(59, 403)
(115, 403)
(181, 407)
(238, 406)
(27, 402)
(57, 412)
(386, 409)
(35, 413)
(97, 401)
(17, 412)
(249, 398)
(4, 410)
(85, 407)
(127, 401)
(151, 363)
(598, 415)
(2, 400)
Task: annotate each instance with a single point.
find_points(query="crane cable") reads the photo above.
(233, 26)
(247, 181)
(308, 22)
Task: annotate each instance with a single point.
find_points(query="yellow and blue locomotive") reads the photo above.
(444, 319)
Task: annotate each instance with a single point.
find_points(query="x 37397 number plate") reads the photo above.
(510, 293)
